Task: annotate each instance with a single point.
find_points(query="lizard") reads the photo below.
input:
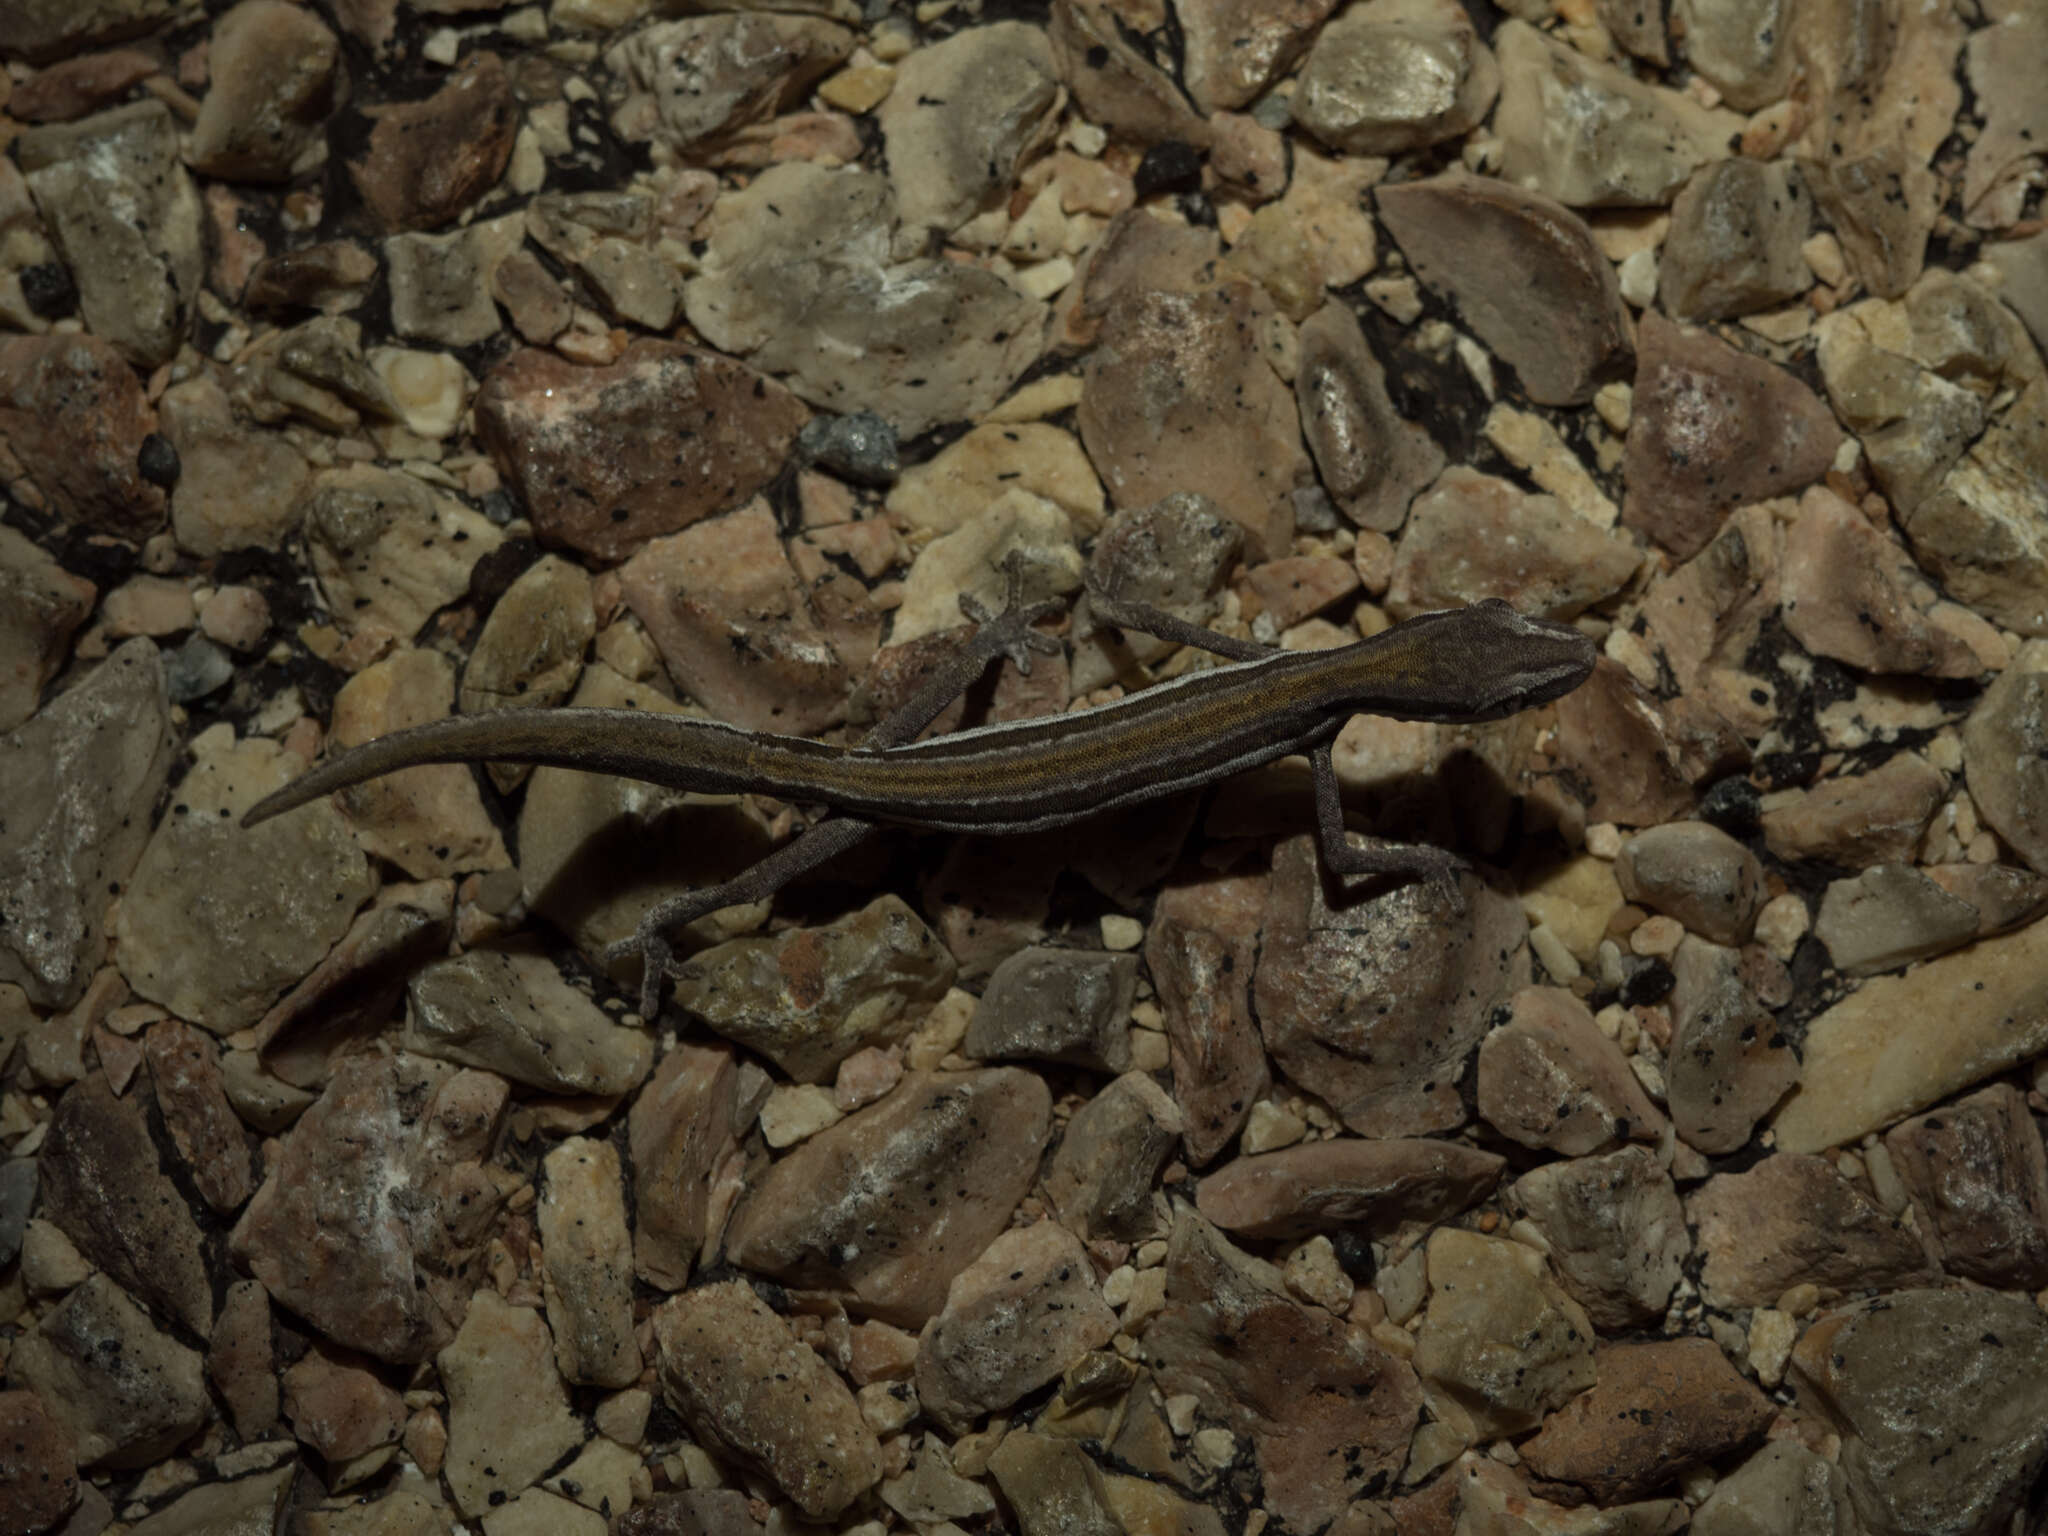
(1481, 662)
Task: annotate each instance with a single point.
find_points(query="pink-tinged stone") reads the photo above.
(377, 1203)
(429, 160)
(1375, 1004)
(508, 1412)
(1657, 1410)
(1850, 594)
(886, 1207)
(749, 1388)
(606, 458)
(1548, 1077)
(1977, 1169)
(735, 626)
(1711, 429)
(1346, 1182)
(73, 417)
(1201, 951)
(184, 1065)
(1328, 1411)
(1015, 1319)
(104, 1186)
(679, 1130)
(1526, 274)
(339, 1407)
(1793, 1220)
(1632, 758)
(38, 1467)
(68, 91)
(1179, 396)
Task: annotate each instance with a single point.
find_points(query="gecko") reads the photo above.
(1477, 663)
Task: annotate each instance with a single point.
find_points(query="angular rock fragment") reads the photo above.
(1850, 593)
(508, 1415)
(128, 1393)
(1976, 1167)
(1549, 1078)
(374, 1211)
(589, 1270)
(104, 1185)
(1525, 274)
(1472, 536)
(888, 1205)
(1100, 1180)
(964, 114)
(1792, 1220)
(1712, 428)
(1394, 75)
(1372, 460)
(1888, 916)
(1728, 1062)
(1657, 1409)
(429, 160)
(2003, 745)
(808, 998)
(1057, 1005)
(746, 1384)
(1014, 1319)
(516, 1015)
(680, 1128)
(1346, 1183)
(1734, 246)
(1616, 1231)
(696, 80)
(274, 69)
(1329, 1413)
(125, 214)
(1942, 1399)
(1697, 873)
(1500, 1341)
(606, 458)
(74, 417)
(1590, 134)
(84, 775)
(1200, 951)
(1375, 1005)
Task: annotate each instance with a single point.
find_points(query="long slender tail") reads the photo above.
(675, 751)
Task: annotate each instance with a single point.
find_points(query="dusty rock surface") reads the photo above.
(1670, 1155)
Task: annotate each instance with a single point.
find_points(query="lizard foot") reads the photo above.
(1009, 633)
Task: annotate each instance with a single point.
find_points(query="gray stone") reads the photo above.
(1942, 1397)
(126, 216)
(1590, 134)
(814, 295)
(1525, 273)
(1394, 75)
(608, 238)
(441, 284)
(83, 779)
(1616, 1231)
(17, 1198)
(1549, 1077)
(963, 116)
(41, 604)
(43, 31)
(1014, 1319)
(218, 918)
(389, 551)
(1746, 49)
(248, 1506)
(808, 998)
(516, 1015)
(1728, 1064)
(1052, 1485)
(2005, 754)
(1100, 1180)
(1977, 1169)
(1064, 1005)
(129, 1394)
(693, 82)
(681, 1127)
(1980, 531)
(1784, 1489)
(886, 1207)
(1890, 916)
(1697, 873)
(1734, 245)
(1372, 459)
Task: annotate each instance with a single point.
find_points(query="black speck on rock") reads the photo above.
(1172, 166)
